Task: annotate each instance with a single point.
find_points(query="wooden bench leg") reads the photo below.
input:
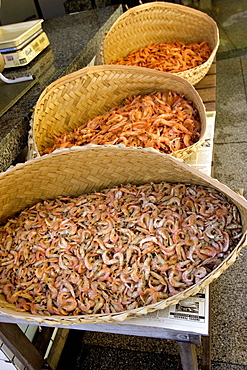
(13, 337)
(206, 353)
(188, 355)
(206, 342)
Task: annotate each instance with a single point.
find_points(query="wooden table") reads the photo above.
(207, 89)
(32, 356)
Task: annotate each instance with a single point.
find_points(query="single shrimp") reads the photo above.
(8, 291)
(199, 273)
(65, 301)
(175, 277)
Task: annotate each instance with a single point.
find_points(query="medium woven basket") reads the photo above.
(81, 170)
(73, 99)
(160, 22)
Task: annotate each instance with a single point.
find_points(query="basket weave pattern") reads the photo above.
(70, 101)
(79, 171)
(160, 22)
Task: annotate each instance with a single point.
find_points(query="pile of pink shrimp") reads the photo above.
(172, 56)
(114, 250)
(167, 122)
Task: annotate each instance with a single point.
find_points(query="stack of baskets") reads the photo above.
(73, 99)
(64, 104)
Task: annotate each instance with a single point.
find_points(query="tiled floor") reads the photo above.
(93, 351)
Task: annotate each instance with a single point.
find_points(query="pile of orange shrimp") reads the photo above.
(114, 250)
(165, 121)
(171, 56)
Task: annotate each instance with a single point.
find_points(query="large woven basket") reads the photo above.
(73, 99)
(78, 171)
(160, 22)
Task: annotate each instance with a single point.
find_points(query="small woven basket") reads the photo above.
(160, 22)
(82, 170)
(73, 99)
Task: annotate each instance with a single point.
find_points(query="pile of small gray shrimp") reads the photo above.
(114, 250)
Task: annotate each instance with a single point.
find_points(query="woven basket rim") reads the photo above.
(168, 5)
(92, 147)
(104, 68)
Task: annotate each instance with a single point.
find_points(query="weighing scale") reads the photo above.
(20, 43)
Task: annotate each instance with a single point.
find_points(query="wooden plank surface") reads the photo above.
(207, 94)
(207, 81)
(206, 88)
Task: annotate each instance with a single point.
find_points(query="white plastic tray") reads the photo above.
(12, 35)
